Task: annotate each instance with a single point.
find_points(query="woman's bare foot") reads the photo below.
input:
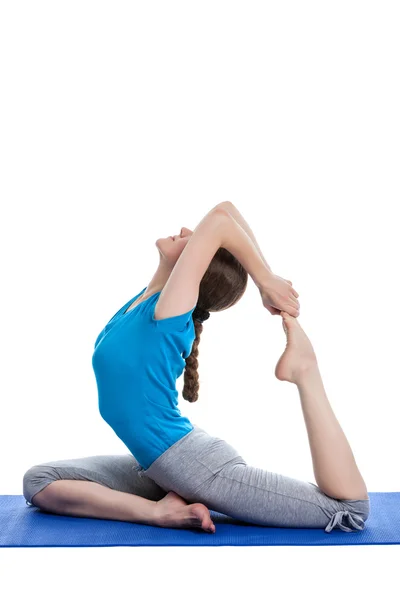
(174, 511)
(299, 355)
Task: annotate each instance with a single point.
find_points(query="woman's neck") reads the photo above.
(159, 279)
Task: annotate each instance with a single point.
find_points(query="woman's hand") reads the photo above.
(277, 294)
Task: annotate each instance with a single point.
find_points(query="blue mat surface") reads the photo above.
(27, 526)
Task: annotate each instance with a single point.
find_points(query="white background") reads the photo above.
(121, 122)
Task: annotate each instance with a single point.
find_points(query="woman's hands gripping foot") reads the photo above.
(174, 511)
(277, 294)
(299, 355)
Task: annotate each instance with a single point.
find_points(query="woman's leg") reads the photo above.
(335, 469)
(89, 499)
(109, 487)
(206, 469)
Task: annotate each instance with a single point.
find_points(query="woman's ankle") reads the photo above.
(309, 372)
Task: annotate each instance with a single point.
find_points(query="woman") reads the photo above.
(175, 471)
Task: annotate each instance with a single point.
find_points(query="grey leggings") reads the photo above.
(204, 468)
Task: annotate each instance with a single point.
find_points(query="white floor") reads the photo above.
(344, 572)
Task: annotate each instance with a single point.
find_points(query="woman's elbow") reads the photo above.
(227, 204)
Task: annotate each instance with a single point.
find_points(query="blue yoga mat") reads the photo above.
(27, 526)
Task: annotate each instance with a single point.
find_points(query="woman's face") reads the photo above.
(171, 247)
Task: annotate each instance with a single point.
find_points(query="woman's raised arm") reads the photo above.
(234, 212)
(218, 229)
(277, 293)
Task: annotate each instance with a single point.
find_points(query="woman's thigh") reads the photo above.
(204, 468)
(118, 472)
(266, 498)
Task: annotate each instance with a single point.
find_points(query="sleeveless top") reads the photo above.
(137, 360)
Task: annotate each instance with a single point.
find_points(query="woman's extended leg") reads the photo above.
(109, 487)
(335, 469)
(203, 468)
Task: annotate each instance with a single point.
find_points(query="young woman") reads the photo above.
(175, 471)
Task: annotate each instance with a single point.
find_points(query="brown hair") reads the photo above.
(222, 285)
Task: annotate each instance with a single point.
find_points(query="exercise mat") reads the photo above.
(23, 526)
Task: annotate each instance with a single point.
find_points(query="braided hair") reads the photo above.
(222, 285)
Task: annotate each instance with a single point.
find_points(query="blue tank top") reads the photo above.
(137, 360)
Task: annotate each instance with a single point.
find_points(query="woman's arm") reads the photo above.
(277, 293)
(217, 229)
(239, 243)
(231, 208)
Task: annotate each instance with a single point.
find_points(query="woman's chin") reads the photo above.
(161, 244)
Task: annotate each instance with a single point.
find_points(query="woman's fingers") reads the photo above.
(293, 291)
(293, 312)
(293, 307)
(292, 300)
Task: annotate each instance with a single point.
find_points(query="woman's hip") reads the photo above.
(191, 462)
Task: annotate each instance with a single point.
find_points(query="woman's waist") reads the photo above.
(129, 401)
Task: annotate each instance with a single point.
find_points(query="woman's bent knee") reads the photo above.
(351, 517)
(361, 506)
(36, 479)
(364, 507)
